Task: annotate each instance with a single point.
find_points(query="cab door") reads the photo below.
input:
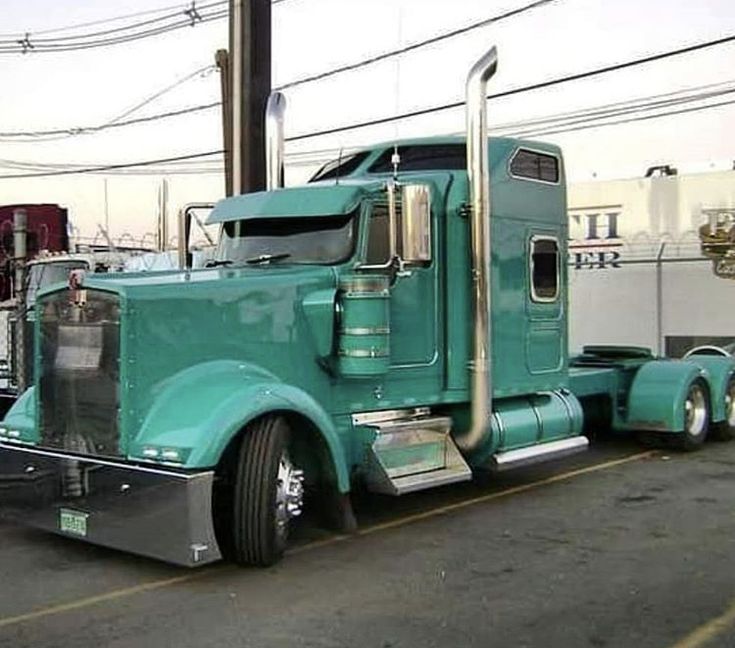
(413, 300)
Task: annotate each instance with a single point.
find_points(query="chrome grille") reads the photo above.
(79, 385)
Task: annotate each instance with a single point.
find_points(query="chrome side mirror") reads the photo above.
(415, 223)
(183, 238)
(187, 214)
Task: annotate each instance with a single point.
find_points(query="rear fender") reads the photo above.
(657, 395)
(200, 410)
(719, 371)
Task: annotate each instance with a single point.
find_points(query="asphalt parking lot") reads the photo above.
(617, 547)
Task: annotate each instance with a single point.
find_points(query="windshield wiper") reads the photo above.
(218, 262)
(267, 258)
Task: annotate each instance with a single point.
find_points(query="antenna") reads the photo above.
(339, 166)
(395, 159)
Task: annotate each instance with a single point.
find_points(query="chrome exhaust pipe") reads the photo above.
(274, 112)
(481, 385)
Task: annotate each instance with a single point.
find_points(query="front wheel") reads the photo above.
(268, 493)
(696, 417)
(725, 430)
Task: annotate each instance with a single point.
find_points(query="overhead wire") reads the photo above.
(179, 16)
(514, 91)
(106, 32)
(92, 23)
(409, 114)
(26, 45)
(33, 136)
(201, 72)
(312, 158)
(406, 115)
(112, 167)
(415, 46)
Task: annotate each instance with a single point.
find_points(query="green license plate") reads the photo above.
(73, 522)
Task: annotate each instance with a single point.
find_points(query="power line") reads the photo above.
(11, 136)
(639, 104)
(201, 72)
(191, 13)
(182, 158)
(92, 23)
(181, 15)
(111, 167)
(417, 45)
(635, 119)
(544, 84)
(514, 91)
(415, 113)
(26, 45)
(322, 75)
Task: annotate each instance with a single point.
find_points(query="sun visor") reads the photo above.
(330, 200)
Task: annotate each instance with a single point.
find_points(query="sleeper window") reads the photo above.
(544, 269)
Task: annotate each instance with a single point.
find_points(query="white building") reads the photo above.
(636, 272)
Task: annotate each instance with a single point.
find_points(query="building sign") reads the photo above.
(717, 238)
(594, 237)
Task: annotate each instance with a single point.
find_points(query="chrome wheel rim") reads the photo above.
(289, 494)
(695, 411)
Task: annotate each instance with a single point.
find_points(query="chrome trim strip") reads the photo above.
(362, 353)
(365, 330)
(383, 416)
(103, 462)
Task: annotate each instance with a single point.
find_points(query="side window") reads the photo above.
(544, 264)
(532, 165)
(378, 247)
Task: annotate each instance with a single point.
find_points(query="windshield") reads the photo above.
(319, 240)
(41, 275)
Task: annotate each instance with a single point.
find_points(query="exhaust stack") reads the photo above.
(479, 181)
(274, 112)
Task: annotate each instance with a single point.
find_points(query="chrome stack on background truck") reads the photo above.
(400, 321)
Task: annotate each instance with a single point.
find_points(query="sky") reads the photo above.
(73, 89)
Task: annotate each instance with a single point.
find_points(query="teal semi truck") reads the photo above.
(400, 322)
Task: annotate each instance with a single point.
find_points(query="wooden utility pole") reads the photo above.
(250, 85)
(222, 58)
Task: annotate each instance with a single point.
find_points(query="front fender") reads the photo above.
(719, 370)
(657, 395)
(22, 416)
(200, 409)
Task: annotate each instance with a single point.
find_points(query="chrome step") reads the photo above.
(535, 454)
(410, 454)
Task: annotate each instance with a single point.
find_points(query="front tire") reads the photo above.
(725, 430)
(268, 493)
(696, 417)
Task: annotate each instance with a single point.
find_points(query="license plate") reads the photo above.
(73, 522)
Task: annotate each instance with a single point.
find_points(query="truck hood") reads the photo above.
(176, 282)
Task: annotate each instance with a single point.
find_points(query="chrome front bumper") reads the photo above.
(151, 511)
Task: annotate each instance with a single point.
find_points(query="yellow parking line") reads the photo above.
(103, 598)
(705, 633)
(409, 519)
(449, 508)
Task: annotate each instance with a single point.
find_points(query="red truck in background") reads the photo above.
(47, 230)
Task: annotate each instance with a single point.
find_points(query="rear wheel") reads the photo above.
(268, 493)
(696, 417)
(725, 430)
